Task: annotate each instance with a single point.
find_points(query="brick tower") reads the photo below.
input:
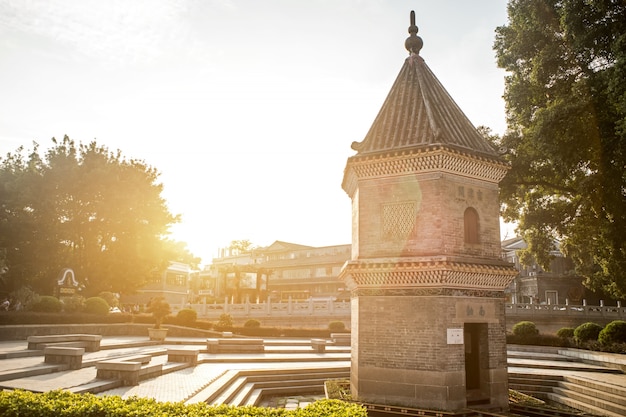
(426, 278)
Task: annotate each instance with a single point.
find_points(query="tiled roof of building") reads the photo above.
(419, 113)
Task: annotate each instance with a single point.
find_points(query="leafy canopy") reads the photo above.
(566, 111)
(83, 207)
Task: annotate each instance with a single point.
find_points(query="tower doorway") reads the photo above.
(475, 337)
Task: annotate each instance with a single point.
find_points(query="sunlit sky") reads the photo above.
(246, 107)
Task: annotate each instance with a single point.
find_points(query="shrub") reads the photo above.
(159, 308)
(225, 322)
(24, 298)
(110, 298)
(587, 332)
(252, 324)
(47, 304)
(565, 332)
(525, 329)
(53, 403)
(336, 326)
(74, 304)
(186, 317)
(97, 306)
(614, 332)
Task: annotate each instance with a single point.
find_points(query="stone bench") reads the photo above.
(127, 372)
(126, 369)
(318, 345)
(235, 345)
(71, 356)
(341, 339)
(90, 342)
(183, 355)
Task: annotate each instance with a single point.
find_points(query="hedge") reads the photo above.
(66, 404)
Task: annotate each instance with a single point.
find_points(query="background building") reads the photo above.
(538, 286)
(279, 271)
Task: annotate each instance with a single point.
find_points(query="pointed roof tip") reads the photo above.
(413, 43)
(419, 113)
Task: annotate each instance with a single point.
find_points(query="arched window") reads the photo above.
(470, 220)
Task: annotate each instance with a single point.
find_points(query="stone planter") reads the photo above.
(157, 334)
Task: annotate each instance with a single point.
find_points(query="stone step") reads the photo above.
(230, 391)
(97, 386)
(605, 387)
(524, 388)
(582, 406)
(592, 398)
(213, 389)
(556, 365)
(31, 371)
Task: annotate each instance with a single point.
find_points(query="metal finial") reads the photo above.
(413, 43)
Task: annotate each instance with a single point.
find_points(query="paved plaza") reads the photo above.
(24, 369)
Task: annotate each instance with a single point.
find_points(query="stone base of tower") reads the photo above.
(437, 352)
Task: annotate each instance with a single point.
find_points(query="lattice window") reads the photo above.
(398, 220)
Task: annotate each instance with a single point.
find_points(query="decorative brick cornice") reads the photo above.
(425, 292)
(423, 160)
(436, 274)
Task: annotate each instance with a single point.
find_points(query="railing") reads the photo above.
(329, 308)
(565, 310)
(323, 308)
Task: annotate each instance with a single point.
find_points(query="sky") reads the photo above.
(247, 108)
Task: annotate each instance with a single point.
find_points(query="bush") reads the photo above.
(565, 332)
(97, 306)
(225, 322)
(47, 304)
(336, 326)
(24, 298)
(525, 329)
(614, 332)
(159, 308)
(252, 324)
(186, 317)
(53, 403)
(587, 332)
(74, 304)
(110, 298)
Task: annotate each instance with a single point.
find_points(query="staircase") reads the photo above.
(562, 379)
(249, 387)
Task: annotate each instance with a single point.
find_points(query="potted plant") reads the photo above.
(159, 308)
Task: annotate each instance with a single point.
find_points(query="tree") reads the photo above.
(566, 112)
(83, 207)
(242, 246)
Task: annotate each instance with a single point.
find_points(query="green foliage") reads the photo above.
(159, 308)
(525, 329)
(565, 332)
(47, 304)
(66, 404)
(614, 332)
(92, 209)
(187, 317)
(74, 304)
(225, 322)
(97, 306)
(252, 324)
(587, 332)
(336, 326)
(331, 408)
(338, 389)
(566, 111)
(110, 298)
(25, 297)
